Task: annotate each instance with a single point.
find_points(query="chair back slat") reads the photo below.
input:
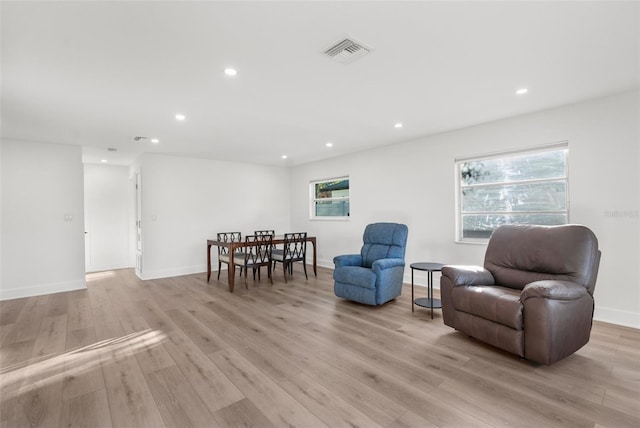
(295, 246)
(265, 232)
(227, 237)
(295, 250)
(258, 249)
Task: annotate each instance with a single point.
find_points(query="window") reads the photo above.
(523, 187)
(330, 198)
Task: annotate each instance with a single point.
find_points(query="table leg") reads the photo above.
(430, 292)
(412, 304)
(208, 262)
(232, 268)
(315, 259)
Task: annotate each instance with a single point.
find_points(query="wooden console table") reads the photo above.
(233, 248)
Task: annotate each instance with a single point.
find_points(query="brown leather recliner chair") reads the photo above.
(534, 296)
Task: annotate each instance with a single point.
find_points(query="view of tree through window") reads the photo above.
(330, 198)
(522, 188)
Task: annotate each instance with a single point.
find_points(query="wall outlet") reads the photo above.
(68, 217)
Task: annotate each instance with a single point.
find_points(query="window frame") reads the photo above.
(313, 199)
(459, 187)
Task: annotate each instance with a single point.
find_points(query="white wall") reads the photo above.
(413, 183)
(108, 207)
(186, 201)
(42, 219)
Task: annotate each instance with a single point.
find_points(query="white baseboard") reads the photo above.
(323, 263)
(616, 316)
(41, 289)
(177, 271)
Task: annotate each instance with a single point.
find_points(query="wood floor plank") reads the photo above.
(33, 387)
(420, 401)
(479, 397)
(81, 379)
(58, 304)
(411, 420)
(79, 313)
(130, 401)
(211, 384)
(105, 312)
(80, 338)
(373, 402)
(154, 315)
(622, 400)
(331, 409)
(87, 410)
(149, 351)
(177, 401)
(51, 337)
(242, 414)
(37, 406)
(5, 331)
(198, 333)
(278, 406)
(224, 334)
(308, 357)
(263, 350)
(560, 403)
(11, 310)
(38, 401)
(27, 324)
(82, 364)
(15, 353)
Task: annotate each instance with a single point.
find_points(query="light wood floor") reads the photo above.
(179, 352)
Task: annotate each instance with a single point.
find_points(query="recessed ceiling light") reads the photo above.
(522, 91)
(329, 144)
(397, 125)
(104, 161)
(284, 156)
(230, 71)
(155, 140)
(180, 117)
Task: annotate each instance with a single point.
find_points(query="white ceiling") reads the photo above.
(96, 74)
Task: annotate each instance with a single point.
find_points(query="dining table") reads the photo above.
(233, 247)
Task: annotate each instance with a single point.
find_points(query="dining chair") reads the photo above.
(295, 250)
(223, 252)
(257, 253)
(274, 249)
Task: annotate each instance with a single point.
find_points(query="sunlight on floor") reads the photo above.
(38, 372)
(93, 276)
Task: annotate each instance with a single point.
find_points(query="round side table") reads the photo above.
(429, 301)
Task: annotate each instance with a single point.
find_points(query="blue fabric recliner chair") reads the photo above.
(374, 276)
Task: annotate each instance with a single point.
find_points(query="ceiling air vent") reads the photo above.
(347, 50)
(138, 139)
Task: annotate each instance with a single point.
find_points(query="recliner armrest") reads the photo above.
(382, 264)
(468, 275)
(556, 290)
(347, 260)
